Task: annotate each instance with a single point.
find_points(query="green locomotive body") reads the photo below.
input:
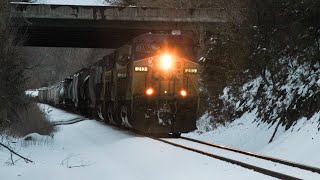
(152, 85)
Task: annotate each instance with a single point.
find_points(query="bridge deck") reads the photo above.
(104, 26)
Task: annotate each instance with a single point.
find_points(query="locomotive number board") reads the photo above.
(140, 69)
(191, 70)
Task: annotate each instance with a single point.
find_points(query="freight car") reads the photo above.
(150, 84)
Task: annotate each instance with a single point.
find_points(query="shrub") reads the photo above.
(30, 119)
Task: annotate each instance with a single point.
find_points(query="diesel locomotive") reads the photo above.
(150, 85)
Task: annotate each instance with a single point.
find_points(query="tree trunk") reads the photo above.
(3, 117)
(275, 131)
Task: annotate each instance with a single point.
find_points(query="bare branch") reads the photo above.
(66, 162)
(13, 152)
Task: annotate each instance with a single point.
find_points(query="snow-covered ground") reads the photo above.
(32, 93)
(299, 144)
(58, 115)
(92, 150)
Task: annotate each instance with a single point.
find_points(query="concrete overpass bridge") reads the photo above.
(105, 26)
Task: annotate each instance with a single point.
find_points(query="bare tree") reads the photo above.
(13, 153)
(55, 64)
(13, 67)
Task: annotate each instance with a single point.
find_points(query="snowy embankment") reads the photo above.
(291, 95)
(92, 150)
(299, 144)
(58, 115)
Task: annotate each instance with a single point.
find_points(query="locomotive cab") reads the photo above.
(164, 84)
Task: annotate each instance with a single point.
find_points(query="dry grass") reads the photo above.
(30, 119)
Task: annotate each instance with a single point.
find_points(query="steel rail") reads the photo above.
(239, 163)
(68, 122)
(281, 161)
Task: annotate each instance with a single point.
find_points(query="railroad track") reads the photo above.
(270, 166)
(277, 160)
(68, 122)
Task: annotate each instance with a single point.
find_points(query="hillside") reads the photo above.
(271, 102)
(279, 119)
(300, 143)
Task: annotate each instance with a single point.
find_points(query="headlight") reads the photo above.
(166, 61)
(149, 91)
(183, 93)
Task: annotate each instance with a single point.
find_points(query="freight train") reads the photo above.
(150, 85)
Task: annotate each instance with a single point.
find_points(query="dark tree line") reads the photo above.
(18, 114)
(54, 64)
(286, 35)
(12, 74)
(283, 39)
(12, 66)
(285, 28)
